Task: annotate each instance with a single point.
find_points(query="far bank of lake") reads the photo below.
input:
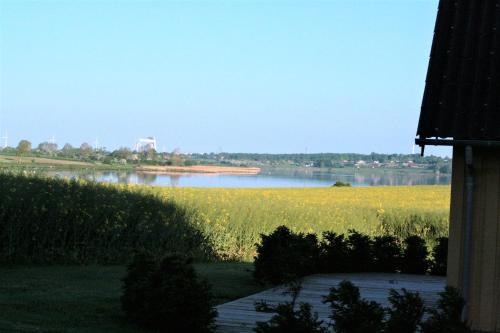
(266, 178)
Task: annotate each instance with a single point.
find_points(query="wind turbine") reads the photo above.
(4, 139)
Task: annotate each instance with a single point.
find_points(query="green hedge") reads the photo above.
(285, 255)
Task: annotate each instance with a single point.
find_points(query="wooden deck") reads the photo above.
(240, 315)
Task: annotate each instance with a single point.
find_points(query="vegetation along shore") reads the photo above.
(101, 222)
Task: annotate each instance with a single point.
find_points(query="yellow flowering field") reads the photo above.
(234, 218)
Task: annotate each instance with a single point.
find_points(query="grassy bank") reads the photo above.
(87, 298)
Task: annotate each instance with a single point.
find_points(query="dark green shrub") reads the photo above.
(386, 254)
(415, 255)
(440, 256)
(350, 313)
(446, 318)
(360, 252)
(289, 320)
(341, 184)
(405, 313)
(284, 255)
(333, 253)
(167, 296)
(136, 285)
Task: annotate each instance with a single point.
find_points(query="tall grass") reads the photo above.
(51, 220)
(59, 221)
(235, 218)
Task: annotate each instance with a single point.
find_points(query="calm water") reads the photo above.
(264, 179)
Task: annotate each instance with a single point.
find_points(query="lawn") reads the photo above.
(87, 298)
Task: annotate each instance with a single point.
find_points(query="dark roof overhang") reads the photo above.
(461, 102)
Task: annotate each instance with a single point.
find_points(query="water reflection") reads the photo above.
(269, 178)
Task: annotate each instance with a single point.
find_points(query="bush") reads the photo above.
(386, 254)
(167, 296)
(283, 256)
(333, 253)
(360, 256)
(440, 255)
(289, 320)
(415, 256)
(136, 285)
(406, 312)
(351, 314)
(341, 184)
(447, 317)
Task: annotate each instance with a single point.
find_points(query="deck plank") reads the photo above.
(240, 315)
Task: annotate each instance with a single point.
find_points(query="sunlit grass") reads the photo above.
(234, 218)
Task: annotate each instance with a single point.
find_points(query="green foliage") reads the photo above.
(235, 218)
(24, 147)
(86, 298)
(447, 317)
(427, 226)
(440, 257)
(58, 221)
(289, 320)
(167, 296)
(284, 255)
(341, 184)
(326, 160)
(47, 147)
(122, 153)
(415, 256)
(406, 312)
(350, 313)
(386, 252)
(136, 285)
(333, 253)
(360, 252)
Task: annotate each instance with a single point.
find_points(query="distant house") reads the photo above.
(461, 108)
(359, 164)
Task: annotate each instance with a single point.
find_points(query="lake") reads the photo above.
(267, 178)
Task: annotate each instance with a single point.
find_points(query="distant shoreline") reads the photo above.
(198, 169)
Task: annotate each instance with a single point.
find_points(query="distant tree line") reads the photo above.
(85, 152)
(125, 155)
(330, 160)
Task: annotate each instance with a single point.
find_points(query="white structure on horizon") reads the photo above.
(145, 144)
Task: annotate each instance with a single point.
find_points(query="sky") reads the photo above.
(209, 76)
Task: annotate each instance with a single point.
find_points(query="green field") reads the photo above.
(87, 298)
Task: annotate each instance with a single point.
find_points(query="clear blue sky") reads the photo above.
(238, 76)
